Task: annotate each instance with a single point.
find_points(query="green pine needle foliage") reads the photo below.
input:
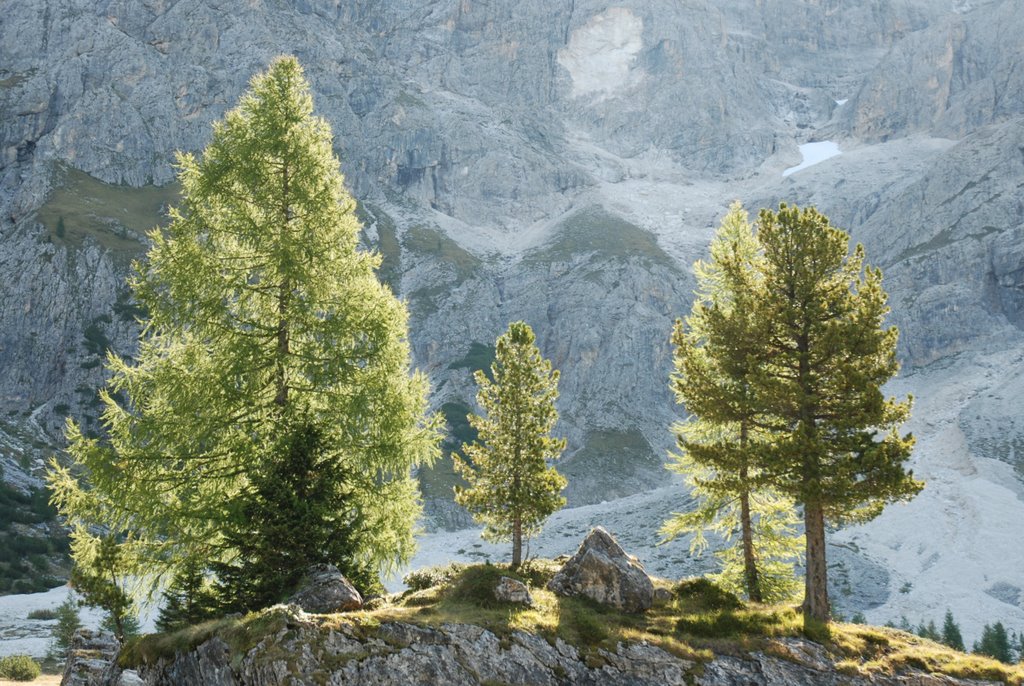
(102, 584)
(716, 349)
(995, 643)
(260, 310)
(188, 600)
(302, 511)
(68, 622)
(951, 635)
(512, 490)
(836, 436)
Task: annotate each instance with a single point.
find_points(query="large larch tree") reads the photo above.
(716, 350)
(261, 314)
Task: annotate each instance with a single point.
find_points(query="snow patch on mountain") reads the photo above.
(814, 153)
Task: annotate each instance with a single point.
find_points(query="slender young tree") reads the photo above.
(68, 622)
(102, 585)
(188, 600)
(951, 635)
(260, 310)
(836, 447)
(716, 351)
(512, 490)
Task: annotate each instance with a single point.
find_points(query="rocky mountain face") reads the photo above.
(564, 162)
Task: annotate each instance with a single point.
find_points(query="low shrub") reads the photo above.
(476, 585)
(428, 577)
(19, 668)
(45, 613)
(702, 594)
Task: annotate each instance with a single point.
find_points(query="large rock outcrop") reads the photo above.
(91, 659)
(602, 571)
(307, 650)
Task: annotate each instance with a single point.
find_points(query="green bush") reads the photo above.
(19, 668)
(68, 622)
(702, 594)
(428, 577)
(476, 585)
(47, 613)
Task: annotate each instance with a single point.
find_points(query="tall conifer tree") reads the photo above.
(716, 351)
(512, 490)
(836, 449)
(261, 310)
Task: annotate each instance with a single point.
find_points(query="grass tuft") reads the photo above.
(43, 614)
(428, 577)
(701, 594)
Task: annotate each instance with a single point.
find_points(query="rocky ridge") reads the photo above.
(308, 649)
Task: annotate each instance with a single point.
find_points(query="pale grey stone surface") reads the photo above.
(602, 571)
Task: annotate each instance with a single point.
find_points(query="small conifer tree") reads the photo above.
(301, 512)
(995, 643)
(68, 622)
(929, 631)
(101, 584)
(188, 600)
(512, 490)
(951, 635)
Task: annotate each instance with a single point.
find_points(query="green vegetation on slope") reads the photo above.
(13, 79)
(116, 217)
(596, 231)
(387, 242)
(424, 241)
(27, 554)
(438, 479)
(607, 455)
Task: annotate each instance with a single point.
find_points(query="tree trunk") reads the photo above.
(283, 298)
(751, 577)
(750, 574)
(816, 606)
(517, 542)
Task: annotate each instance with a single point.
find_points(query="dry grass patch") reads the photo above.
(868, 650)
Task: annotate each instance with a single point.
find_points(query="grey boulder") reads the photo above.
(512, 591)
(602, 571)
(326, 590)
(90, 659)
